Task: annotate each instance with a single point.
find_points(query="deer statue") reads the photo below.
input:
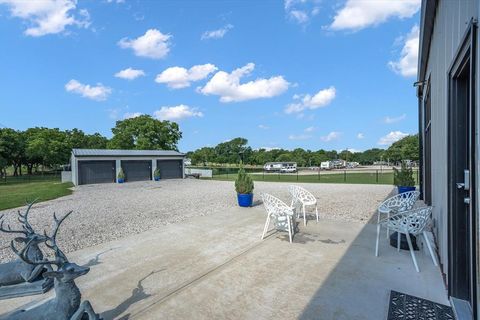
(67, 304)
(18, 271)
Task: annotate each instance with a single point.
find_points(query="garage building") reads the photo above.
(103, 165)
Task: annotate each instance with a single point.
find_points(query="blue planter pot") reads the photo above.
(120, 180)
(156, 178)
(245, 200)
(402, 189)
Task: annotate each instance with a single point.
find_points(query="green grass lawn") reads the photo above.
(17, 192)
(351, 177)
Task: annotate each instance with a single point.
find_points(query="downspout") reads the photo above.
(420, 141)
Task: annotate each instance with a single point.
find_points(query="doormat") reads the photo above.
(407, 307)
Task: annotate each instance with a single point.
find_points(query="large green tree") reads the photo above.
(233, 151)
(45, 146)
(145, 132)
(12, 149)
(404, 149)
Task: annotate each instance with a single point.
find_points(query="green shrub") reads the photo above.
(156, 173)
(243, 183)
(404, 176)
(121, 175)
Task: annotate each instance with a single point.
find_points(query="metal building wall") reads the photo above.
(451, 22)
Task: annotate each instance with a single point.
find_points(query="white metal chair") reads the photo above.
(410, 222)
(305, 198)
(398, 203)
(281, 213)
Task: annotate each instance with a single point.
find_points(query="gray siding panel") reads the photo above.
(446, 38)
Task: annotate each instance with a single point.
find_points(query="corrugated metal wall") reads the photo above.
(451, 22)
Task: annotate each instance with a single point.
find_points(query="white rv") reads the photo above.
(280, 167)
(326, 165)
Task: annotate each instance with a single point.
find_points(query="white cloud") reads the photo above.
(360, 135)
(216, 34)
(264, 127)
(392, 137)
(321, 99)
(301, 11)
(153, 44)
(130, 115)
(129, 74)
(228, 86)
(310, 129)
(98, 92)
(359, 14)
(179, 77)
(334, 135)
(48, 16)
(406, 65)
(299, 137)
(353, 150)
(177, 113)
(389, 119)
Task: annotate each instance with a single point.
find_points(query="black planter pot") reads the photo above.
(403, 241)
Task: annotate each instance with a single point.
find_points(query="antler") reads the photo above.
(23, 218)
(22, 255)
(59, 255)
(9, 229)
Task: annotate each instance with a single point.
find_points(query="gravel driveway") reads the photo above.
(107, 212)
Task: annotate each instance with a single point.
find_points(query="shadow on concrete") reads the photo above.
(138, 294)
(358, 285)
(96, 261)
(257, 203)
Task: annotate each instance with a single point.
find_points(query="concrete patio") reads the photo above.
(216, 267)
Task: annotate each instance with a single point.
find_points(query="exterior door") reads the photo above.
(101, 171)
(170, 169)
(461, 170)
(137, 170)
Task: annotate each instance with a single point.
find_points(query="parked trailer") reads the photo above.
(326, 165)
(280, 167)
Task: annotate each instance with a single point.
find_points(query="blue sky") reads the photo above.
(296, 73)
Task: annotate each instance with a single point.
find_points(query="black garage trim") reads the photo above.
(137, 170)
(97, 171)
(170, 169)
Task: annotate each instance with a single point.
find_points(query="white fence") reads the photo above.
(66, 176)
(204, 173)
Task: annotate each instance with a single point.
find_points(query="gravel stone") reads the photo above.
(106, 212)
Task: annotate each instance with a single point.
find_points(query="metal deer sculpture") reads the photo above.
(67, 304)
(18, 271)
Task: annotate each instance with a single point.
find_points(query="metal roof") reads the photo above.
(123, 153)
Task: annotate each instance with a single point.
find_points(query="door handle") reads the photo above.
(460, 185)
(466, 200)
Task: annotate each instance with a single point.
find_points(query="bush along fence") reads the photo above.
(360, 176)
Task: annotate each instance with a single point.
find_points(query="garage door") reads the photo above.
(170, 169)
(137, 170)
(101, 171)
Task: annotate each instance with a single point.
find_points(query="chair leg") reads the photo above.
(398, 241)
(289, 229)
(378, 239)
(411, 251)
(266, 227)
(304, 216)
(316, 211)
(432, 254)
(388, 229)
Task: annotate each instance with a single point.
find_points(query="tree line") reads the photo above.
(235, 150)
(51, 147)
